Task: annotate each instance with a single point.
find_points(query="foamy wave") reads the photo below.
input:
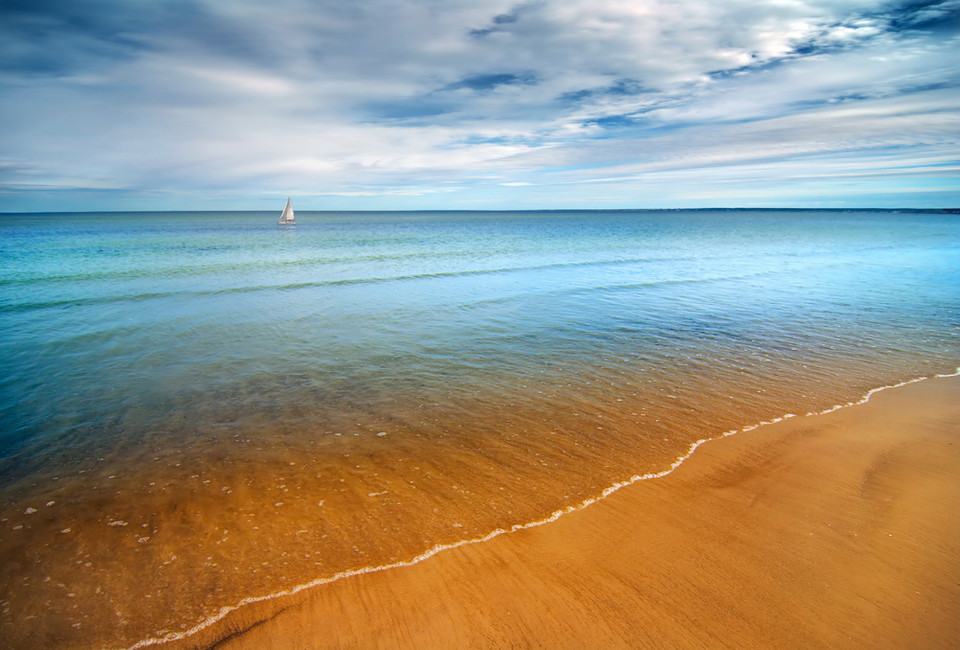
(429, 553)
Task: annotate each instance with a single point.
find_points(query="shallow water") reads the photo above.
(201, 408)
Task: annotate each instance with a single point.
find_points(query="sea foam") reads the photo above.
(554, 516)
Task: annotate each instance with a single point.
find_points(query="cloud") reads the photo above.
(370, 99)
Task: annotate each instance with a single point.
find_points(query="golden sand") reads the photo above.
(836, 530)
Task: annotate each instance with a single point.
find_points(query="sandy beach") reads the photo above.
(833, 530)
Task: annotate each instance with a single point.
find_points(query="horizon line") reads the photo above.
(941, 210)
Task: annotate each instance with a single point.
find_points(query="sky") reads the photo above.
(478, 104)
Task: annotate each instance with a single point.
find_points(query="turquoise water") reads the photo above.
(186, 371)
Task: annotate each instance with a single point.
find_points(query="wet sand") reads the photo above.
(835, 530)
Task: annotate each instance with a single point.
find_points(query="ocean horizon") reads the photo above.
(236, 409)
(482, 211)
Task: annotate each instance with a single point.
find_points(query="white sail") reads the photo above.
(286, 219)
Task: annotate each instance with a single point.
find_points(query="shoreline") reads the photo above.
(266, 617)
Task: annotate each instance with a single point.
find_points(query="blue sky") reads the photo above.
(478, 104)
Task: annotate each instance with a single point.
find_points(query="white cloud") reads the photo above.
(364, 99)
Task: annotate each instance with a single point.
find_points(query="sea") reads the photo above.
(200, 410)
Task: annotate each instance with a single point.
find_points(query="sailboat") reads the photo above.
(286, 219)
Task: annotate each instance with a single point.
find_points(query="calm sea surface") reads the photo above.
(197, 408)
